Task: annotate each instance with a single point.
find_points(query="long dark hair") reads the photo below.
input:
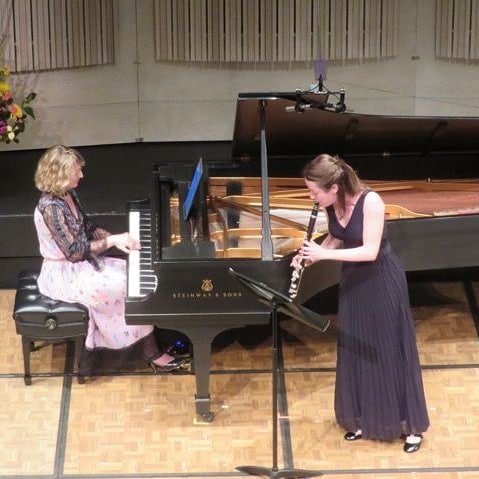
(326, 170)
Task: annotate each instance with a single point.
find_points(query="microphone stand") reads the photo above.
(308, 101)
(277, 302)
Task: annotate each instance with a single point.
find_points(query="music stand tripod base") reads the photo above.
(272, 473)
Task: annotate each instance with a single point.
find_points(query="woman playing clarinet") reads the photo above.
(379, 390)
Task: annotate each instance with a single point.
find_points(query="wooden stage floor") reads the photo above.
(139, 425)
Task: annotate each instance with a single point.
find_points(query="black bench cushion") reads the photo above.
(37, 316)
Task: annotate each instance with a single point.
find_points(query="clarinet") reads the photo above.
(298, 270)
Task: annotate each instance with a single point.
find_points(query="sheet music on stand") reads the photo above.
(283, 304)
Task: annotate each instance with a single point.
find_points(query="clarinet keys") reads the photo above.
(298, 270)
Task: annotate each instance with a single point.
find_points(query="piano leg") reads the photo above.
(201, 340)
(201, 365)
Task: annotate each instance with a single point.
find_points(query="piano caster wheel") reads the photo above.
(208, 417)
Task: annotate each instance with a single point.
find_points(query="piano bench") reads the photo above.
(39, 318)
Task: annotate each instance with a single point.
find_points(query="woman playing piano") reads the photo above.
(74, 268)
(379, 390)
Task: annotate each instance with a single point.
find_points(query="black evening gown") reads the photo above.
(379, 385)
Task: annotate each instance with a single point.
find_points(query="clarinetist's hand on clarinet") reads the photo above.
(311, 252)
(296, 261)
(308, 254)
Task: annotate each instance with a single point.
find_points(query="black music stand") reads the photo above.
(278, 302)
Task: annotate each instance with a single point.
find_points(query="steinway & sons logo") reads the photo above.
(206, 290)
(207, 285)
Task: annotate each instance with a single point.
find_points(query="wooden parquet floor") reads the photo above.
(138, 425)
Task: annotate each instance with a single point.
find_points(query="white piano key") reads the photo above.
(142, 279)
(134, 256)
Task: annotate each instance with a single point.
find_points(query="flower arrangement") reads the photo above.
(13, 114)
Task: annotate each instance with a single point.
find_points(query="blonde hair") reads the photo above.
(55, 168)
(326, 170)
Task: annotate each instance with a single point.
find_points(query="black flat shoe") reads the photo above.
(173, 365)
(352, 436)
(410, 447)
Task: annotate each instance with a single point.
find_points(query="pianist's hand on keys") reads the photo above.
(124, 242)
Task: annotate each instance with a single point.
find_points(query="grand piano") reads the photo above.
(195, 226)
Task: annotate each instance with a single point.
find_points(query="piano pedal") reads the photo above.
(185, 356)
(186, 367)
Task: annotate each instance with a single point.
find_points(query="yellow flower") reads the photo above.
(4, 87)
(15, 110)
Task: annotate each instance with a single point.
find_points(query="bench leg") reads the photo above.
(78, 352)
(27, 346)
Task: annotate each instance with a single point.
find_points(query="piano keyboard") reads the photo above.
(142, 279)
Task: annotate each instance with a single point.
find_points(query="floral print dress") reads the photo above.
(71, 272)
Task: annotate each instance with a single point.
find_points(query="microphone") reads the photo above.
(340, 106)
(299, 108)
(320, 83)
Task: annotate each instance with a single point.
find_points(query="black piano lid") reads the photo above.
(317, 130)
